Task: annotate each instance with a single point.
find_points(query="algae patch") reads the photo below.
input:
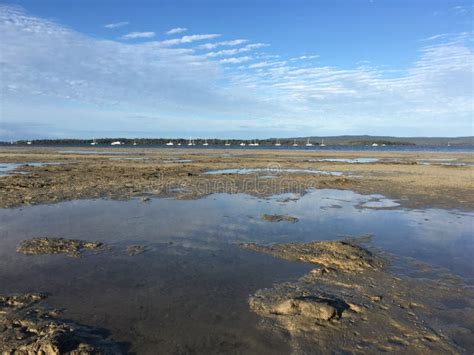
(44, 245)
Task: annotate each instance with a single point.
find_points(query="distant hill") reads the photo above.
(388, 140)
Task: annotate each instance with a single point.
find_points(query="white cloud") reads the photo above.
(459, 10)
(188, 39)
(176, 30)
(235, 60)
(44, 60)
(116, 24)
(434, 37)
(234, 42)
(234, 51)
(305, 57)
(135, 35)
(266, 64)
(62, 78)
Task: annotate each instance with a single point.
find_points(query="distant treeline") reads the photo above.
(388, 140)
(146, 141)
(335, 140)
(182, 141)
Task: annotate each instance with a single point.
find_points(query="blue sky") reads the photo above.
(237, 69)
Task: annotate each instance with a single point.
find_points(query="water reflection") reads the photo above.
(8, 168)
(188, 290)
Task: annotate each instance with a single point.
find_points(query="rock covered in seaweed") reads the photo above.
(45, 245)
(26, 328)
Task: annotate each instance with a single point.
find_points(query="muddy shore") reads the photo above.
(418, 180)
(351, 303)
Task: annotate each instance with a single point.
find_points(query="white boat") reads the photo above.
(295, 144)
(134, 143)
(308, 144)
(179, 143)
(170, 143)
(190, 142)
(93, 142)
(375, 145)
(29, 142)
(242, 144)
(322, 143)
(227, 143)
(278, 143)
(116, 143)
(205, 142)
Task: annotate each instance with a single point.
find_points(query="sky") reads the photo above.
(235, 69)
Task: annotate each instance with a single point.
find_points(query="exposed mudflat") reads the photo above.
(46, 245)
(350, 303)
(28, 328)
(176, 281)
(80, 175)
(338, 255)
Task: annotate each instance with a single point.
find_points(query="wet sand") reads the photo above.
(416, 180)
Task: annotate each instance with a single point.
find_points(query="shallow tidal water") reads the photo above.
(188, 291)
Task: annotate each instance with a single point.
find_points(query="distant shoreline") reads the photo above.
(355, 141)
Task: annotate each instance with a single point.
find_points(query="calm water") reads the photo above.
(9, 168)
(349, 148)
(188, 291)
(245, 171)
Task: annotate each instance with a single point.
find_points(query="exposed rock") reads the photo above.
(339, 255)
(352, 304)
(45, 245)
(26, 328)
(279, 218)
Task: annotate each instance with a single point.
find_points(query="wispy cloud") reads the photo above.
(234, 51)
(235, 60)
(266, 64)
(176, 30)
(46, 66)
(459, 9)
(434, 37)
(135, 35)
(189, 39)
(234, 42)
(305, 57)
(117, 24)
